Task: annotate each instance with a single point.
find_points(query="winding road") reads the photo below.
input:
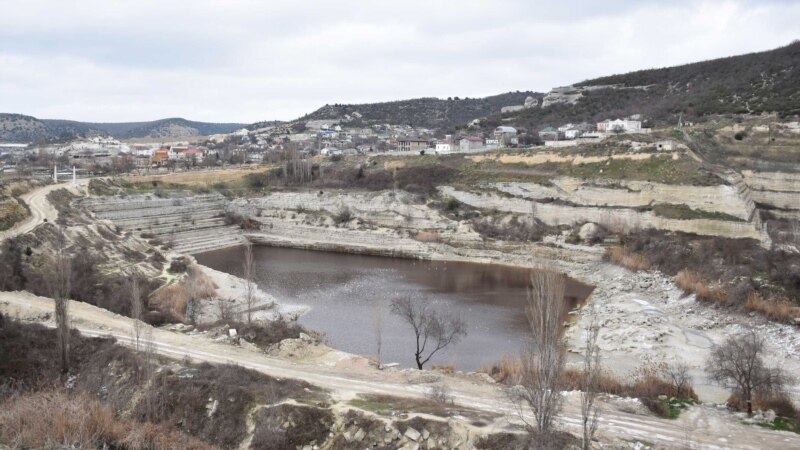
(40, 209)
(699, 427)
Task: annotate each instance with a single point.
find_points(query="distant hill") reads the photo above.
(747, 84)
(421, 112)
(20, 128)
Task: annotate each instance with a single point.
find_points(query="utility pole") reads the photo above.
(55, 173)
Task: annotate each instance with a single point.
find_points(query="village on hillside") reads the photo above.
(327, 138)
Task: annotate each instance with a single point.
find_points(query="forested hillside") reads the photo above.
(747, 84)
(422, 112)
(21, 128)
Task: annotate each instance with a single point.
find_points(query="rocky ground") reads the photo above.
(643, 314)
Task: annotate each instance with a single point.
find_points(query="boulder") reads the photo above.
(412, 434)
(588, 231)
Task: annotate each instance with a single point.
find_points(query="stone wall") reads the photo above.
(189, 223)
(389, 209)
(623, 219)
(632, 194)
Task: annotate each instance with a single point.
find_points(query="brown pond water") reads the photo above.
(346, 291)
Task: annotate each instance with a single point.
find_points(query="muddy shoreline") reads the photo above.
(643, 315)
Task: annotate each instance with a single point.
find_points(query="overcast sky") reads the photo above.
(244, 61)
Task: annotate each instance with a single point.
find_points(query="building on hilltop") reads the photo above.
(410, 144)
(550, 134)
(470, 144)
(620, 126)
(506, 135)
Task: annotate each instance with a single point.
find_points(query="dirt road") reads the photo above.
(41, 210)
(704, 426)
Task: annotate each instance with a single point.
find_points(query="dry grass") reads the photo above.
(448, 369)
(775, 309)
(630, 260)
(693, 283)
(508, 370)
(200, 178)
(172, 300)
(428, 236)
(52, 419)
(779, 402)
(648, 382)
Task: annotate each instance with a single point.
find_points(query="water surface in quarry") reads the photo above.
(346, 292)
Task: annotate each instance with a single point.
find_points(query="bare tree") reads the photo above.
(226, 311)
(136, 310)
(248, 267)
(590, 412)
(57, 278)
(539, 389)
(738, 364)
(377, 324)
(432, 330)
(150, 365)
(679, 377)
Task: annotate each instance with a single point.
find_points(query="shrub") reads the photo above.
(263, 334)
(775, 309)
(245, 223)
(512, 230)
(625, 258)
(692, 283)
(172, 300)
(178, 265)
(344, 215)
(423, 179)
(51, 419)
(440, 394)
(648, 382)
(509, 370)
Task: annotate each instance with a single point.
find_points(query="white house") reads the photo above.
(444, 147)
(620, 126)
(503, 132)
(470, 143)
(666, 145)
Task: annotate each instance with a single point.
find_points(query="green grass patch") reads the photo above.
(658, 169)
(781, 424)
(684, 212)
(676, 406)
